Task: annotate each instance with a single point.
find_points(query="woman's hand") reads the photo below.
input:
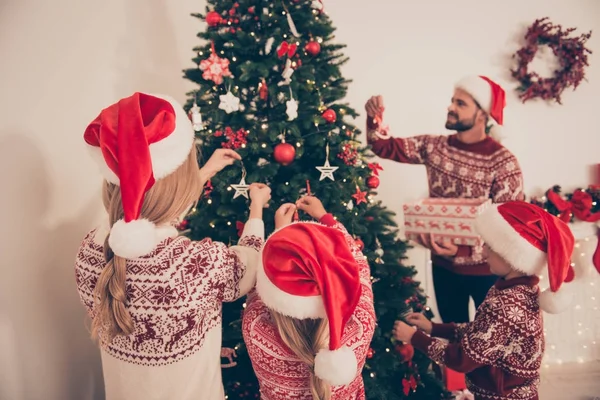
(220, 159)
(403, 332)
(284, 215)
(260, 194)
(312, 206)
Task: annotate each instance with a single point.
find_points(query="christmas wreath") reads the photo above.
(570, 51)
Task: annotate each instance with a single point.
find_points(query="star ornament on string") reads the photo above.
(327, 170)
(241, 189)
(359, 197)
(229, 103)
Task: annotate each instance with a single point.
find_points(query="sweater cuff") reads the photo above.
(328, 220)
(421, 341)
(254, 227)
(445, 331)
(464, 251)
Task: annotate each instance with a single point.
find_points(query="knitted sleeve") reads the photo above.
(450, 331)
(223, 273)
(508, 183)
(411, 150)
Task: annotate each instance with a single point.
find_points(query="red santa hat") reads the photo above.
(136, 141)
(530, 240)
(491, 98)
(308, 271)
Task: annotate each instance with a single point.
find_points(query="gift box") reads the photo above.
(452, 219)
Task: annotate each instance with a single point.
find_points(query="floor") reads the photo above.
(571, 382)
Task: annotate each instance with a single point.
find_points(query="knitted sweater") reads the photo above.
(174, 297)
(501, 350)
(458, 170)
(282, 376)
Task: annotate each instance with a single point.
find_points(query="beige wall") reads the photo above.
(62, 61)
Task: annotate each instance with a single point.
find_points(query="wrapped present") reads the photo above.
(452, 219)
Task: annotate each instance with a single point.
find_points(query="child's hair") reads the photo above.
(168, 198)
(305, 337)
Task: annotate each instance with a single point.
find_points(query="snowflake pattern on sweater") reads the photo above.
(459, 170)
(174, 295)
(282, 376)
(501, 350)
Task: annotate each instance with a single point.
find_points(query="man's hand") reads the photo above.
(444, 249)
(229, 354)
(374, 107)
(220, 159)
(284, 215)
(403, 332)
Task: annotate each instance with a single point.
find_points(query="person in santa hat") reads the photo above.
(501, 350)
(470, 163)
(310, 321)
(155, 297)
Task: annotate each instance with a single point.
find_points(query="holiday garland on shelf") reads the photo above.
(583, 205)
(572, 55)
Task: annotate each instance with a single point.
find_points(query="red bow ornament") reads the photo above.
(286, 48)
(579, 206)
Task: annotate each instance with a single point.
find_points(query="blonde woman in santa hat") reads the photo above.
(501, 350)
(469, 163)
(309, 323)
(155, 297)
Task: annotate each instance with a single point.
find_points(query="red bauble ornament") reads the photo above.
(213, 18)
(370, 353)
(373, 182)
(313, 48)
(232, 30)
(284, 153)
(329, 115)
(406, 351)
(359, 243)
(232, 12)
(251, 9)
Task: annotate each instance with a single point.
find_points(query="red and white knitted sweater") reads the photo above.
(282, 376)
(174, 296)
(458, 170)
(501, 350)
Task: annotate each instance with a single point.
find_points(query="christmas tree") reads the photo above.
(269, 86)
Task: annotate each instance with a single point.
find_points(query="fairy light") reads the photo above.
(243, 145)
(264, 145)
(209, 201)
(212, 225)
(298, 144)
(229, 223)
(234, 58)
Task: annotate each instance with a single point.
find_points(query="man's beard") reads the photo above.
(460, 126)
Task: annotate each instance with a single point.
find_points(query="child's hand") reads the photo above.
(260, 194)
(284, 215)
(229, 354)
(420, 321)
(403, 332)
(312, 206)
(220, 159)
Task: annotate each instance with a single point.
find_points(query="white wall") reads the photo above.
(62, 61)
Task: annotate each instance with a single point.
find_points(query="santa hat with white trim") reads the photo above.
(308, 271)
(530, 239)
(491, 98)
(136, 141)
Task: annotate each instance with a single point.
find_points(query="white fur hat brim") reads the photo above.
(504, 240)
(137, 238)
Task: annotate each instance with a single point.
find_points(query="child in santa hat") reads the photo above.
(501, 350)
(309, 324)
(155, 297)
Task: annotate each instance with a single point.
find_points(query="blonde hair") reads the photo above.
(305, 337)
(163, 203)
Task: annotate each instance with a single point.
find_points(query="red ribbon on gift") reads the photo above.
(579, 206)
(286, 48)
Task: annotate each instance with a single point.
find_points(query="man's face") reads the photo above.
(463, 112)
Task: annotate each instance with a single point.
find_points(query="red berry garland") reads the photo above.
(570, 51)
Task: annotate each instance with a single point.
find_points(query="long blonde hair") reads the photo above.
(305, 337)
(163, 203)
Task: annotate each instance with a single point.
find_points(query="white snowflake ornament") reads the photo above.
(229, 103)
(291, 109)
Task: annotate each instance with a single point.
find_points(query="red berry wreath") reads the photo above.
(570, 51)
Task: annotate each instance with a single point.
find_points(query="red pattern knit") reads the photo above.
(282, 376)
(459, 170)
(501, 350)
(174, 295)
